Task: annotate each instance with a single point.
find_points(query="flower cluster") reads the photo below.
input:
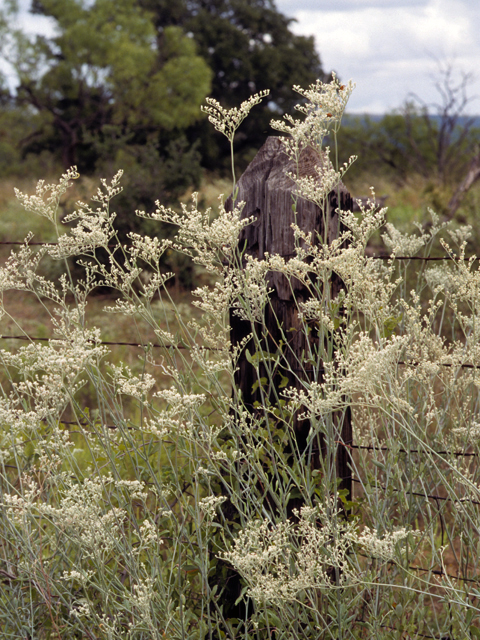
(387, 547)
(322, 110)
(278, 561)
(316, 188)
(47, 197)
(128, 384)
(82, 513)
(403, 244)
(227, 121)
(207, 240)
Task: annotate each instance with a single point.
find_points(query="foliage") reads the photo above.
(437, 142)
(18, 125)
(406, 144)
(137, 66)
(129, 517)
(250, 47)
(105, 67)
(119, 84)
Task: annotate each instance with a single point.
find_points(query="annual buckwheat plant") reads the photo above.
(146, 499)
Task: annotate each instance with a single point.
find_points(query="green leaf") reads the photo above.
(283, 383)
(257, 383)
(190, 567)
(390, 324)
(242, 593)
(275, 620)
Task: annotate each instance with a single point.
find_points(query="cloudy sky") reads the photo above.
(390, 48)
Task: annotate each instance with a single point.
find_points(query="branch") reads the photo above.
(473, 174)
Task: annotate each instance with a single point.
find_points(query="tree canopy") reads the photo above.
(249, 46)
(105, 67)
(136, 71)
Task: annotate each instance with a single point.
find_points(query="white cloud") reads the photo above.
(389, 48)
(33, 24)
(290, 6)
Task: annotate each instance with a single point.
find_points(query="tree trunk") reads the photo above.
(473, 174)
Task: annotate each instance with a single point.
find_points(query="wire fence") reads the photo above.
(184, 347)
(349, 446)
(105, 342)
(375, 257)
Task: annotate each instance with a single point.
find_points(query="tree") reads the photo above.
(104, 67)
(436, 141)
(132, 69)
(455, 142)
(249, 47)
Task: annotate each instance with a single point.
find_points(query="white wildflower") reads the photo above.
(177, 416)
(461, 235)
(251, 290)
(227, 121)
(209, 505)
(436, 226)
(181, 403)
(82, 577)
(317, 187)
(207, 241)
(141, 598)
(323, 109)
(149, 533)
(387, 547)
(165, 337)
(125, 307)
(85, 515)
(128, 384)
(277, 561)
(370, 220)
(470, 433)
(136, 488)
(401, 243)
(442, 278)
(149, 249)
(81, 608)
(47, 197)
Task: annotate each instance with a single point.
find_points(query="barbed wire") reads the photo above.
(425, 259)
(388, 449)
(375, 257)
(423, 495)
(465, 365)
(105, 342)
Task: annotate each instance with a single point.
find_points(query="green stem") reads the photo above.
(232, 160)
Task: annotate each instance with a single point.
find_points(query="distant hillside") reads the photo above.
(350, 118)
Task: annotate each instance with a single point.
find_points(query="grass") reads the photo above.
(408, 203)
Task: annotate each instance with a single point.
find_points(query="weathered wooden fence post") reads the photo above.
(267, 192)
